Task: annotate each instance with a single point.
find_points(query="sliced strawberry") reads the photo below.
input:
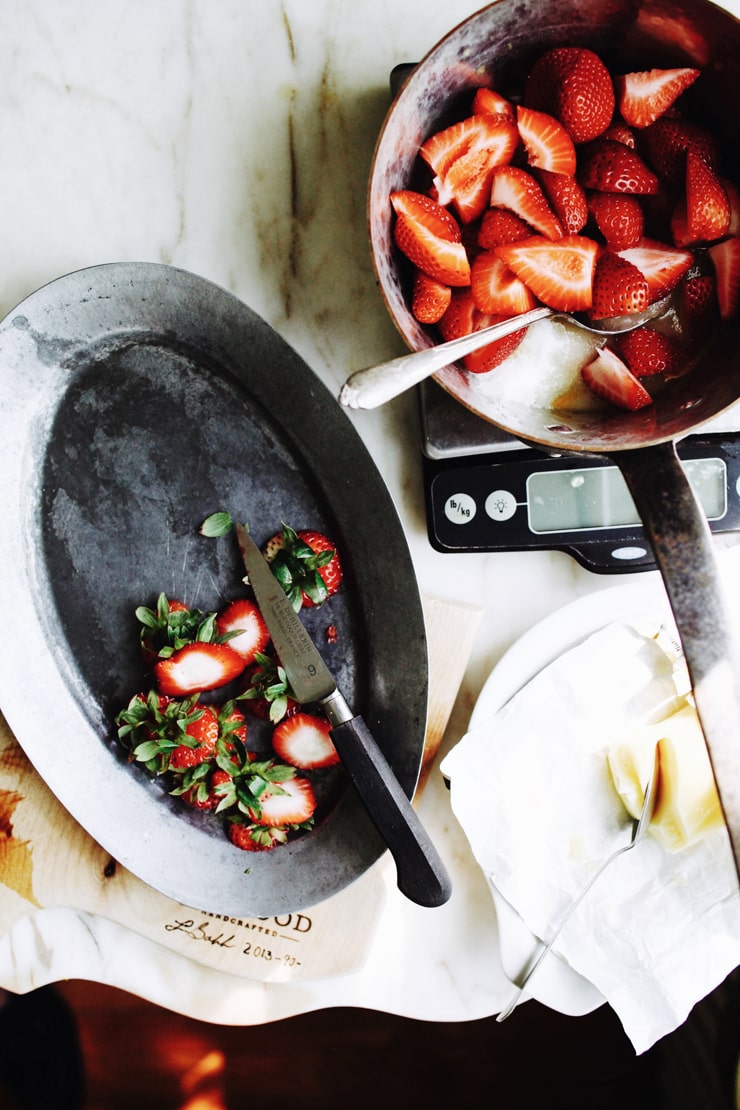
(501, 226)
(518, 192)
(567, 198)
(290, 802)
(304, 741)
(462, 318)
(547, 143)
(726, 260)
(666, 141)
(619, 288)
(490, 102)
(649, 351)
(733, 195)
(620, 133)
(662, 266)
(699, 309)
(430, 237)
(496, 290)
(245, 628)
(608, 377)
(574, 85)
(462, 158)
(643, 97)
(560, 274)
(195, 667)
(612, 167)
(619, 218)
(307, 565)
(429, 298)
(707, 204)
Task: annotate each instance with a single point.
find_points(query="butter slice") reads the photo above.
(687, 807)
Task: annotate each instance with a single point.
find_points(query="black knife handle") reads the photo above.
(421, 875)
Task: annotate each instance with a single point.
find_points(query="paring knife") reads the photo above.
(421, 874)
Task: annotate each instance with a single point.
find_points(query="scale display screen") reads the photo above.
(598, 497)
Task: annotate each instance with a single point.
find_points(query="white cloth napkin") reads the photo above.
(532, 790)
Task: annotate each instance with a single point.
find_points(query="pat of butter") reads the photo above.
(687, 806)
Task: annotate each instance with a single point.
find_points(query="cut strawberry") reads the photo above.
(492, 103)
(462, 318)
(518, 192)
(170, 626)
(547, 143)
(726, 260)
(168, 734)
(306, 564)
(662, 266)
(253, 838)
(429, 298)
(619, 288)
(619, 218)
(267, 693)
(430, 237)
(290, 802)
(501, 226)
(462, 158)
(560, 274)
(195, 667)
(643, 97)
(620, 133)
(567, 199)
(304, 741)
(648, 351)
(733, 195)
(575, 86)
(496, 290)
(665, 144)
(613, 167)
(699, 309)
(707, 203)
(245, 628)
(205, 793)
(608, 377)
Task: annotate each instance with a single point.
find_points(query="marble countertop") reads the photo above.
(233, 139)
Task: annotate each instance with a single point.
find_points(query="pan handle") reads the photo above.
(684, 552)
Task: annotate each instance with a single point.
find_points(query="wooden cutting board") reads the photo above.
(48, 860)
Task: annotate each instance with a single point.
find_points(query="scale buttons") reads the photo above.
(501, 504)
(460, 508)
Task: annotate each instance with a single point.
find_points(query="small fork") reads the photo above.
(639, 827)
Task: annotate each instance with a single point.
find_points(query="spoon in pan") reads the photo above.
(369, 388)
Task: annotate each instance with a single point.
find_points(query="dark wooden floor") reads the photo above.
(136, 1056)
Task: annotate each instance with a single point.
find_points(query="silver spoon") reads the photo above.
(639, 828)
(369, 388)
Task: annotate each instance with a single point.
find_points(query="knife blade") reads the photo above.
(421, 875)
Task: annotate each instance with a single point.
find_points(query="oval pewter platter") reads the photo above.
(135, 400)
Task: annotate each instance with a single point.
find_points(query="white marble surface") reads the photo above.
(233, 138)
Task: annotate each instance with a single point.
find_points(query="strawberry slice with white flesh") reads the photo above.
(547, 143)
(726, 260)
(245, 628)
(304, 741)
(645, 96)
(462, 158)
(430, 237)
(559, 273)
(517, 191)
(609, 378)
(198, 666)
(661, 266)
(290, 802)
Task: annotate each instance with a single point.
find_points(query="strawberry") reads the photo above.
(304, 741)
(306, 564)
(649, 351)
(661, 266)
(707, 203)
(612, 167)
(546, 141)
(242, 623)
(429, 298)
(560, 274)
(620, 133)
(518, 192)
(196, 667)
(619, 218)
(643, 97)
(267, 693)
(733, 195)
(618, 288)
(170, 626)
(501, 226)
(567, 199)
(462, 318)
(726, 260)
(462, 158)
(167, 734)
(665, 143)
(203, 737)
(493, 103)
(290, 802)
(496, 290)
(699, 308)
(608, 377)
(430, 237)
(575, 86)
(206, 793)
(253, 838)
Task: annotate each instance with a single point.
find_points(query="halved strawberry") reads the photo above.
(462, 318)
(619, 218)
(608, 377)
(707, 203)
(290, 802)
(547, 143)
(307, 565)
(462, 158)
(699, 309)
(304, 741)
(567, 198)
(574, 85)
(198, 666)
(493, 103)
(726, 260)
(429, 298)
(560, 273)
(496, 289)
(244, 625)
(612, 167)
(517, 191)
(170, 626)
(430, 237)
(620, 133)
(666, 141)
(619, 288)
(643, 97)
(501, 226)
(662, 266)
(649, 351)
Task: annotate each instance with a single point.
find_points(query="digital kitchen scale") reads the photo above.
(486, 491)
